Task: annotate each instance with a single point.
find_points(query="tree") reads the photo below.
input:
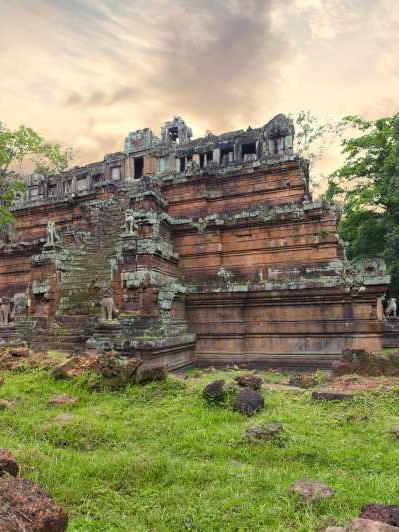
(368, 187)
(19, 147)
(314, 137)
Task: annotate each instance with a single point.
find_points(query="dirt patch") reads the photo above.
(21, 358)
(349, 383)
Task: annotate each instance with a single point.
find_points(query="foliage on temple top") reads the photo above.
(24, 148)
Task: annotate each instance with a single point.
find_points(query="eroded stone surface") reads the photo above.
(8, 464)
(24, 506)
(264, 432)
(311, 490)
(150, 373)
(331, 396)
(368, 525)
(252, 381)
(214, 392)
(249, 402)
(381, 512)
(63, 399)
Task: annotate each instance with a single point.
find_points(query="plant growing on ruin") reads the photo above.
(20, 149)
(368, 187)
(313, 137)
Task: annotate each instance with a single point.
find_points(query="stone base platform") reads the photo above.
(292, 361)
(391, 333)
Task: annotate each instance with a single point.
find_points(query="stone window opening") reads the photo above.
(116, 172)
(202, 160)
(97, 178)
(276, 145)
(173, 134)
(138, 167)
(226, 155)
(182, 164)
(249, 152)
(209, 157)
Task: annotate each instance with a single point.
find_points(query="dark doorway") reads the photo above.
(138, 167)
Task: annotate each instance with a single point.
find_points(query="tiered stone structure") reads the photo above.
(207, 251)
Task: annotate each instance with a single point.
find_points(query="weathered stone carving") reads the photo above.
(6, 311)
(131, 225)
(391, 310)
(52, 235)
(278, 136)
(108, 310)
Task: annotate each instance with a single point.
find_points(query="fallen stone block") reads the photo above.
(63, 399)
(4, 404)
(331, 396)
(311, 490)
(8, 464)
(364, 525)
(248, 402)
(24, 506)
(264, 432)
(215, 391)
(251, 381)
(368, 525)
(150, 373)
(381, 512)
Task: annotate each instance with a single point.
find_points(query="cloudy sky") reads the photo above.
(85, 72)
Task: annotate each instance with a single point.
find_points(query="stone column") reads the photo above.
(216, 155)
(237, 152)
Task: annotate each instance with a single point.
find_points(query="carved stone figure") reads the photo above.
(108, 310)
(6, 308)
(52, 236)
(391, 310)
(130, 223)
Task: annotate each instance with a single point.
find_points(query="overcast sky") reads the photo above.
(85, 72)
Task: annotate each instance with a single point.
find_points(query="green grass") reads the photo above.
(158, 458)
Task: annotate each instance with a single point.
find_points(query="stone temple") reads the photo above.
(182, 251)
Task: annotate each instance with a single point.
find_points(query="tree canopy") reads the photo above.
(24, 146)
(367, 185)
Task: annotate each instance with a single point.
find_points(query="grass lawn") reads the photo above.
(158, 458)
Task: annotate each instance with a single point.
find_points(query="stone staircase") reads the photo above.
(90, 268)
(20, 331)
(66, 333)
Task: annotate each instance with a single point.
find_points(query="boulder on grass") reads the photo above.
(364, 525)
(4, 404)
(8, 464)
(303, 380)
(24, 506)
(150, 373)
(331, 396)
(311, 490)
(214, 392)
(21, 351)
(248, 402)
(63, 399)
(367, 525)
(250, 380)
(381, 512)
(264, 432)
(394, 431)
